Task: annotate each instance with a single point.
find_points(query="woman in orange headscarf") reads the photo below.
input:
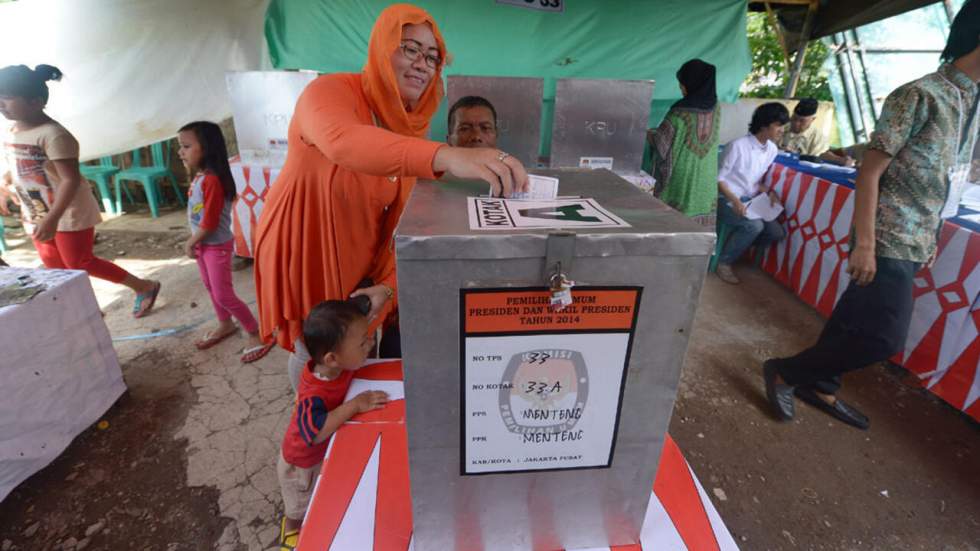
(356, 148)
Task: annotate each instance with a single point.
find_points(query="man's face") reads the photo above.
(473, 127)
(775, 131)
(800, 124)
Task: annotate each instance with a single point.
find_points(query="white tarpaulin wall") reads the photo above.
(135, 70)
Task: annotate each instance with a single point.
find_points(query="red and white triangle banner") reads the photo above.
(942, 346)
(362, 499)
(252, 184)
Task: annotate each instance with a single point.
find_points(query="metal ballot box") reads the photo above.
(262, 103)
(517, 102)
(532, 426)
(600, 123)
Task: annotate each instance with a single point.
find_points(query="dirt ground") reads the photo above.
(125, 486)
(909, 483)
(187, 460)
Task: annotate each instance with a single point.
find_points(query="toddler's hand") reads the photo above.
(370, 399)
(189, 250)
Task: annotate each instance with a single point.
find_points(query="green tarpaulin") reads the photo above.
(614, 39)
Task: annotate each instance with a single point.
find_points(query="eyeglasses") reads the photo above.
(413, 51)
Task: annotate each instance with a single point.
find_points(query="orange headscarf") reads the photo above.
(378, 79)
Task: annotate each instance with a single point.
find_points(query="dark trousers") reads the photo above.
(868, 325)
(744, 232)
(391, 342)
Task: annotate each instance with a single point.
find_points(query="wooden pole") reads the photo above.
(794, 75)
(776, 28)
(949, 10)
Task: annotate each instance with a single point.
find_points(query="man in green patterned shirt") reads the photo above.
(910, 179)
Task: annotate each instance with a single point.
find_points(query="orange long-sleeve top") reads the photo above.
(330, 216)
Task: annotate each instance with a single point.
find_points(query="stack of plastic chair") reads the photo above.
(101, 174)
(148, 176)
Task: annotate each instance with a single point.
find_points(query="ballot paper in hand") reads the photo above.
(540, 188)
(761, 208)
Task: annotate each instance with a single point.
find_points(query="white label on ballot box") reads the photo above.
(541, 389)
(595, 162)
(489, 213)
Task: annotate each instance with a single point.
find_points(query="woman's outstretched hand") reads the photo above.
(379, 295)
(504, 173)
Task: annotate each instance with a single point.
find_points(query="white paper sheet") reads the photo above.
(761, 208)
(540, 188)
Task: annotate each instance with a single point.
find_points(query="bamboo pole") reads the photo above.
(776, 28)
(794, 75)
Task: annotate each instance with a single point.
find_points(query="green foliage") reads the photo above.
(769, 74)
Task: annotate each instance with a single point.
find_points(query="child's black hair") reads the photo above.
(964, 33)
(214, 153)
(327, 324)
(24, 82)
(766, 114)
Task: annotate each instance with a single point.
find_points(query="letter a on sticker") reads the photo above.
(566, 213)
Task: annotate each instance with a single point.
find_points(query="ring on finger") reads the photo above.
(503, 155)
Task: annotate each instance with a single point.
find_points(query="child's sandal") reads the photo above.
(212, 339)
(287, 540)
(256, 353)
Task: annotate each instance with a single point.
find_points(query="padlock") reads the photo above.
(561, 292)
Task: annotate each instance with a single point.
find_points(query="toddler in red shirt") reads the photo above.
(336, 334)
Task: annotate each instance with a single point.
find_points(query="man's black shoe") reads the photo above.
(780, 395)
(839, 409)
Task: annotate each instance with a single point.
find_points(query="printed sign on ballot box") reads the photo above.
(542, 389)
(490, 213)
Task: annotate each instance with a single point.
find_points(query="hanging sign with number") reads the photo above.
(543, 5)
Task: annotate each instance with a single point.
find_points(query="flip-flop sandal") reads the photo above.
(211, 339)
(144, 301)
(287, 540)
(256, 353)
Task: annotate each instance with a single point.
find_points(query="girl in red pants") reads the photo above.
(209, 201)
(56, 205)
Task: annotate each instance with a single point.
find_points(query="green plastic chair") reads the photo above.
(101, 174)
(148, 176)
(3, 242)
(722, 231)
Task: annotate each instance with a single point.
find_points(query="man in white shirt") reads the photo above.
(743, 165)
